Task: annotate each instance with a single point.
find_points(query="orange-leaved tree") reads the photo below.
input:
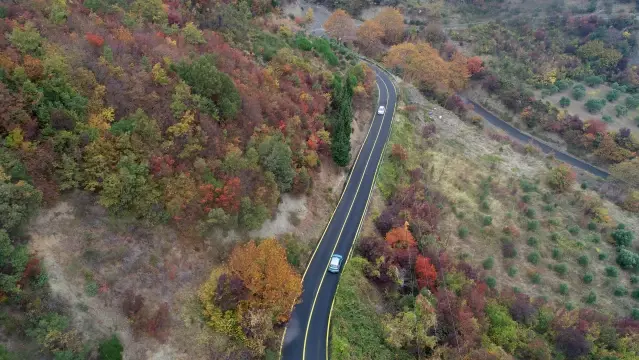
(340, 26)
(400, 237)
(272, 283)
(458, 72)
(392, 22)
(369, 36)
(475, 65)
(426, 273)
(421, 64)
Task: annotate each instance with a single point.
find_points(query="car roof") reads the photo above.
(335, 261)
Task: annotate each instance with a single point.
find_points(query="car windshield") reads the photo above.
(334, 261)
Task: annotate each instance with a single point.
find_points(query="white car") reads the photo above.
(335, 264)
(381, 110)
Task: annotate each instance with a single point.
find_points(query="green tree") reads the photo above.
(27, 39)
(131, 191)
(150, 10)
(578, 92)
(275, 156)
(503, 330)
(111, 349)
(206, 80)
(13, 261)
(613, 95)
(595, 105)
(251, 216)
(17, 203)
(564, 102)
(621, 110)
(192, 34)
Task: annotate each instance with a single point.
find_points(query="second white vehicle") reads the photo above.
(381, 110)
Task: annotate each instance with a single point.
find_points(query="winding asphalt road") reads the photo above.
(306, 334)
(525, 138)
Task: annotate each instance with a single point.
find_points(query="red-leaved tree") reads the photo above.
(426, 274)
(95, 39)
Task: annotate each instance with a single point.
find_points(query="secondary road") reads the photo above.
(306, 334)
(525, 138)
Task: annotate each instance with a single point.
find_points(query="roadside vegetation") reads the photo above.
(463, 256)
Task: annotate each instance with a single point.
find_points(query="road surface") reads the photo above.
(526, 138)
(306, 334)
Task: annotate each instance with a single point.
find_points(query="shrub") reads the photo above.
(594, 238)
(533, 225)
(463, 232)
(635, 294)
(593, 80)
(611, 271)
(621, 110)
(532, 241)
(628, 259)
(634, 279)
(632, 102)
(487, 220)
(563, 289)
(561, 269)
(564, 102)
(489, 263)
(491, 282)
(526, 198)
(91, 289)
(634, 314)
(574, 230)
(591, 298)
(508, 249)
(111, 349)
(603, 256)
(485, 205)
(623, 237)
(613, 95)
(595, 105)
(527, 186)
(534, 258)
(554, 222)
(535, 278)
(512, 271)
(588, 277)
(570, 306)
(561, 178)
(578, 92)
(556, 254)
(620, 290)
(583, 260)
(555, 236)
(531, 213)
(592, 226)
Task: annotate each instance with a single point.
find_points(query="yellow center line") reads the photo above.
(361, 221)
(334, 210)
(344, 223)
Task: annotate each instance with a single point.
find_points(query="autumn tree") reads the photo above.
(369, 36)
(561, 178)
(421, 64)
(475, 65)
(458, 72)
(392, 23)
(426, 274)
(400, 237)
(271, 281)
(340, 26)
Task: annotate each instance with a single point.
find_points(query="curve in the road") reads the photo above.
(526, 138)
(305, 337)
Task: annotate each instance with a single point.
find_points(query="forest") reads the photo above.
(195, 115)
